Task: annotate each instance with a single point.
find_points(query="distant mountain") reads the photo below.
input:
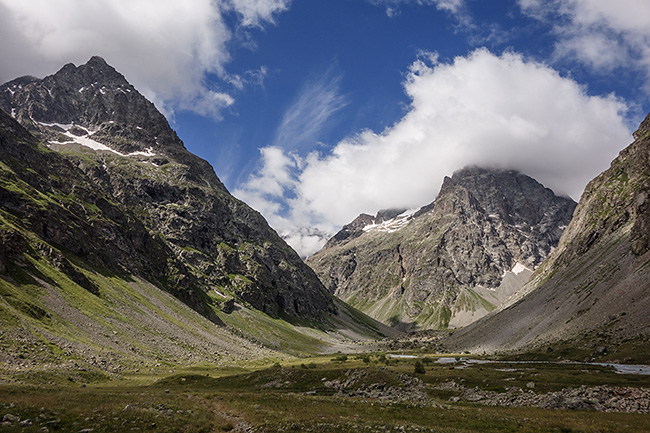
(97, 192)
(592, 295)
(452, 261)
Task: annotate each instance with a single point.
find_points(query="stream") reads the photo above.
(620, 368)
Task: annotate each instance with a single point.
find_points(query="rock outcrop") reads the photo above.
(452, 261)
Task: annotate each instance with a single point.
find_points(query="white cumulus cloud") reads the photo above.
(603, 34)
(502, 111)
(164, 47)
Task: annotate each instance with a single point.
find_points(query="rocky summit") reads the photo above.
(451, 261)
(590, 298)
(122, 194)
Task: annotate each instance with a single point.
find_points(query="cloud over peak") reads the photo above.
(502, 111)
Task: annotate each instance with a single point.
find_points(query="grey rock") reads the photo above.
(599, 398)
(166, 217)
(448, 258)
(10, 418)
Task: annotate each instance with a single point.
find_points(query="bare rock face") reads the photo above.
(452, 261)
(133, 200)
(593, 292)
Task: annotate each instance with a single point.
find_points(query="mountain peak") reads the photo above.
(593, 288)
(96, 98)
(97, 61)
(96, 71)
(171, 219)
(97, 68)
(454, 259)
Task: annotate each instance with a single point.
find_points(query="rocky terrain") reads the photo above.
(210, 238)
(591, 295)
(600, 398)
(452, 261)
(104, 212)
(409, 389)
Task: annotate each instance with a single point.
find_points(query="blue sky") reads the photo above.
(313, 111)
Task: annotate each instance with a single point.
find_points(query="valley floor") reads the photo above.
(367, 392)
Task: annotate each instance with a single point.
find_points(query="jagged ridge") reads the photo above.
(450, 262)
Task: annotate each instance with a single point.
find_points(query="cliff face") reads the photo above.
(452, 261)
(594, 289)
(122, 193)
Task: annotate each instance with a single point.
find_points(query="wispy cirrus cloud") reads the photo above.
(456, 8)
(392, 6)
(479, 33)
(271, 188)
(318, 100)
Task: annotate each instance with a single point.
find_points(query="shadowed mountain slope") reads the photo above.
(104, 214)
(141, 165)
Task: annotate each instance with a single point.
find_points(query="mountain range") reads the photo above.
(452, 261)
(119, 248)
(104, 212)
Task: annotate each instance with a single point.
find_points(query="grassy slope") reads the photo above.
(47, 318)
(58, 307)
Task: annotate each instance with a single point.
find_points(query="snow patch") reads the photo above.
(392, 225)
(519, 268)
(89, 142)
(64, 126)
(88, 132)
(407, 213)
(388, 226)
(149, 152)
